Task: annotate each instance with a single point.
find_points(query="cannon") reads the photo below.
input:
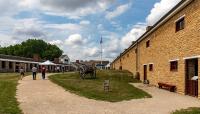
(85, 70)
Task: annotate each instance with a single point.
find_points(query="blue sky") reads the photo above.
(76, 26)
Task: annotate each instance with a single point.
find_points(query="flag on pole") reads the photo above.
(101, 41)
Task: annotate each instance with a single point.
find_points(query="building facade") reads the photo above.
(10, 63)
(169, 51)
(14, 63)
(64, 59)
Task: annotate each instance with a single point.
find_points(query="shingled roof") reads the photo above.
(2, 56)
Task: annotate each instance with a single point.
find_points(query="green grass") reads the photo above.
(93, 88)
(8, 102)
(188, 111)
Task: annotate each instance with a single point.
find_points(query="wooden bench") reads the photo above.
(169, 87)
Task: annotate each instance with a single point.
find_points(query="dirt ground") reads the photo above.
(44, 97)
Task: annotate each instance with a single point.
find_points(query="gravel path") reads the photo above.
(44, 97)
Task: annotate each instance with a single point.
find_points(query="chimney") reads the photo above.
(36, 57)
(77, 61)
(148, 28)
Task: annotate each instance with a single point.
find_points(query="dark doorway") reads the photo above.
(145, 72)
(120, 68)
(191, 83)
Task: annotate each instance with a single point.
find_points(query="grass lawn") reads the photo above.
(188, 111)
(8, 102)
(93, 88)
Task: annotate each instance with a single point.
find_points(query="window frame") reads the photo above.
(173, 66)
(180, 24)
(147, 43)
(151, 67)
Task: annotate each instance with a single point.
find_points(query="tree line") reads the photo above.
(33, 46)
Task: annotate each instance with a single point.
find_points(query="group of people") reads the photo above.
(34, 72)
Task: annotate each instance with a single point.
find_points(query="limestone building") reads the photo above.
(169, 51)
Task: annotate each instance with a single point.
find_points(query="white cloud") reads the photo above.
(56, 42)
(29, 3)
(91, 52)
(8, 7)
(74, 9)
(85, 22)
(159, 10)
(59, 43)
(118, 11)
(75, 40)
(6, 40)
(66, 26)
(133, 35)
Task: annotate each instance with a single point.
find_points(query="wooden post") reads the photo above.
(14, 66)
(199, 78)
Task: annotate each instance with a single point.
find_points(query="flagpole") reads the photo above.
(101, 52)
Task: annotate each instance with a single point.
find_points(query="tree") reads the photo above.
(33, 46)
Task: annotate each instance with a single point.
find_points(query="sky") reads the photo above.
(76, 26)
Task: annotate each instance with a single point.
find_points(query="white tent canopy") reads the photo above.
(47, 63)
(108, 65)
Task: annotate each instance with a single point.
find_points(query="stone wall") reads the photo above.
(128, 61)
(167, 45)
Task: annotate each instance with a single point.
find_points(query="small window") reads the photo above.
(3, 64)
(174, 66)
(150, 67)
(180, 24)
(66, 60)
(127, 55)
(148, 43)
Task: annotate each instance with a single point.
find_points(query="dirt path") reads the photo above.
(44, 97)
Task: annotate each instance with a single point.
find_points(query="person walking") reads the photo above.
(43, 72)
(34, 71)
(21, 71)
(63, 69)
(58, 69)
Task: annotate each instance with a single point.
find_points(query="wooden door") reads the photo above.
(145, 72)
(191, 71)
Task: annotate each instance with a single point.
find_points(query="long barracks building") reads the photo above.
(169, 51)
(10, 63)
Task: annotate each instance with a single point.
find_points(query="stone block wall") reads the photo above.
(167, 45)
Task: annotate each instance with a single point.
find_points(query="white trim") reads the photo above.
(179, 18)
(174, 60)
(145, 64)
(192, 57)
